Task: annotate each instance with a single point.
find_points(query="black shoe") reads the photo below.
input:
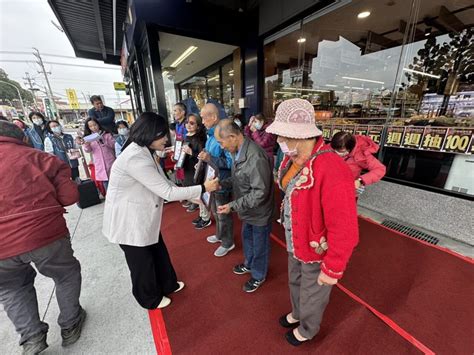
(197, 220)
(290, 338)
(192, 207)
(203, 224)
(252, 285)
(71, 335)
(284, 322)
(35, 344)
(185, 204)
(241, 269)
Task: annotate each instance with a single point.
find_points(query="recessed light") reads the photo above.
(363, 14)
(301, 40)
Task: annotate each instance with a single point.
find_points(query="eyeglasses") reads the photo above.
(191, 123)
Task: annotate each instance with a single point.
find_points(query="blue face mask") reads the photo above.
(258, 126)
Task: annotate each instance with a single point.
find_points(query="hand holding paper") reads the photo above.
(224, 209)
(205, 156)
(212, 185)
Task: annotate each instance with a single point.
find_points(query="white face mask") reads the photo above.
(258, 125)
(285, 150)
(343, 154)
(160, 153)
(123, 131)
(38, 121)
(57, 129)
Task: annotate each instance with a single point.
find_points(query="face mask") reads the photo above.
(342, 155)
(123, 131)
(258, 126)
(160, 153)
(285, 150)
(238, 123)
(56, 129)
(38, 122)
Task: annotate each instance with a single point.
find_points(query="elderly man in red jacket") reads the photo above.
(34, 188)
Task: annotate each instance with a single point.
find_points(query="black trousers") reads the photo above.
(74, 173)
(152, 273)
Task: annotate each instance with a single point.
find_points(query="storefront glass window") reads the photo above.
(150, 80)
(214, 85)
(138, 87)
(228, 88)
(390, 70)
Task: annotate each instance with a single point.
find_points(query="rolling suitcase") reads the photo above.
(88, 195)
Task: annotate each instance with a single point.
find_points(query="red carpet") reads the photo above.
(425, 291)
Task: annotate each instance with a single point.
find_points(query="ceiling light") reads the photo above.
(363, 14)
(331, 85)
(164, 73)
(214, 78)
(231, 74)
(301, 40)
(422, 73)
(183, 56)
(366, 80)
(427, 31)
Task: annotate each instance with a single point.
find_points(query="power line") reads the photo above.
(68, 79)
(44, 54)
(57, 63)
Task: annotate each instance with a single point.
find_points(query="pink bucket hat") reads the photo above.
(295, 119)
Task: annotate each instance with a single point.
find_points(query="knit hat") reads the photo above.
(295, 119)
(11, 130)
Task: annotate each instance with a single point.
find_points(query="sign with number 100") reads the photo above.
(458, 140)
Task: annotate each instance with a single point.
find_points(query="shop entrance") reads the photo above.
(196, 71)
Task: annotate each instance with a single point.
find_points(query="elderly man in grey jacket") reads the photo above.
(252, 184)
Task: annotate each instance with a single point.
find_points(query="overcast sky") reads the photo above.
(27, 23)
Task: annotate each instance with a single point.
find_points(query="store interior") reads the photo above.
(371, 66)
(195, 71)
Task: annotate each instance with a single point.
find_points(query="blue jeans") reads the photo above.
(256, 245)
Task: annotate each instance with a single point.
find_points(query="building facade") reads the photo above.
(400, 71)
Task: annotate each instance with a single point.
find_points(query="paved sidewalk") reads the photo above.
(115, 324)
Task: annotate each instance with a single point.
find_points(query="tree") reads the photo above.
(9, 93)
(452, 61)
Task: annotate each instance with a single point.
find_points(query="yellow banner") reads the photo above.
(119, 86)
(72, 99)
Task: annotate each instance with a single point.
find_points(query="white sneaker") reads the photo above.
(165, 302)
(221, 251)
(213, 239)
(181, 286)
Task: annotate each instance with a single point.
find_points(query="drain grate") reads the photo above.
(412, 232)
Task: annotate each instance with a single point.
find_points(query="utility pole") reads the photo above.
(37, 54)
(31, 87)
(86, 101)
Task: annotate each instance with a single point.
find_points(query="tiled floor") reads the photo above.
(115, 323)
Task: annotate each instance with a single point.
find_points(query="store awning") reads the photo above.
(94, 27)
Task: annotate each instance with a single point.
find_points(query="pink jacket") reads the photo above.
(361, 158)
(103, 154)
